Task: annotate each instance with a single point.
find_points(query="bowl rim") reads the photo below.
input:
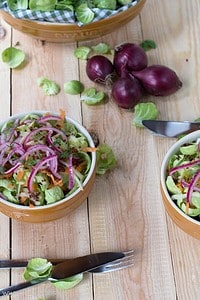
(172, 150)
(80, 128)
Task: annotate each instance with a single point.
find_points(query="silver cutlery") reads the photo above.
(93, 263)
(171, 128)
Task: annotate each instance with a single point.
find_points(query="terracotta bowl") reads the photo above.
(183, 221)
(60, 208)
(55, 32)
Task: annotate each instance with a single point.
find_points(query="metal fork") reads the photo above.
(122, 263)
(126, 261)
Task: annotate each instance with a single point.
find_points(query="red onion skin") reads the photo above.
(126, 92)
(99, 68)
(158, 80)
(129, 57)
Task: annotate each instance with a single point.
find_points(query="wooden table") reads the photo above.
(125, 209)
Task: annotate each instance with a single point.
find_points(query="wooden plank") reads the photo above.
(4, 113)
(177, 47)
(124, 211)
(68, 237)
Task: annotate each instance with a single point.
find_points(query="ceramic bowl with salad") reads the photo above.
(47, 166)
(180, 183)
(71, 20)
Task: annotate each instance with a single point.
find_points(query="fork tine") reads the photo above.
(125, 262)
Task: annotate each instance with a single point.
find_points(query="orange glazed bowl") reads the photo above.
(60, 32)
(186, 219)
(37, 161)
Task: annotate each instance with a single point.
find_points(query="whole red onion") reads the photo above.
(158, 80)
(129, 57)
(126, 92)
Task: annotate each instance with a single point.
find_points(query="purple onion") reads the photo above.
(158, 80)
(99, 69)
(126, 92)
(129, 57)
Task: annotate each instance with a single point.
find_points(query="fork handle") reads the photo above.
(14, 288)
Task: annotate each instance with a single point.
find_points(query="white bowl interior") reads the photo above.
(174, 148)
(93, 162)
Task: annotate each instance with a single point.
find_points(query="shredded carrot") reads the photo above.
(20, 174)
(89, 149)
(31, 205)
(62, 114)
(23, 199)
(54, 181)
(34, 187)
(81, 166)
(8, 175)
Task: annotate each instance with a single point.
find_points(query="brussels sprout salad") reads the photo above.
(43, 159)
(183, 178)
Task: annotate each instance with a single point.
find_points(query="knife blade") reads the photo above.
(69, 268)
(171, 128)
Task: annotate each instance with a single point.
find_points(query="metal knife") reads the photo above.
(171, 128)
(69, 268)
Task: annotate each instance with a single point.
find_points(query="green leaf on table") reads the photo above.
(69, 282)
(73, 87)
(37, 268)
(105, 159)
(50, 88)
(13, 57)
(144, 111)
(92, 97)
(148, 45)
(82, 52)
(102, 48)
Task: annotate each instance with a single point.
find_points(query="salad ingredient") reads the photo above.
(182, 178)
(101, 48)
(129, 57)
(84, 14)
(124, 2)
(50, 88)
(73, 87)
(92, 97)
(82, 52)
(13, 57)
(106, 4)
(41, 269)
(20, 4)
(68, 283)
(99, 69)
(158, 80)
(47, 5)
(148, 45)
(144, 111)
(37, 268)
(105, 159)
(43, 159)
(126, 92)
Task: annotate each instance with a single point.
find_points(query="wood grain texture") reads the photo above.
(125, 209)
